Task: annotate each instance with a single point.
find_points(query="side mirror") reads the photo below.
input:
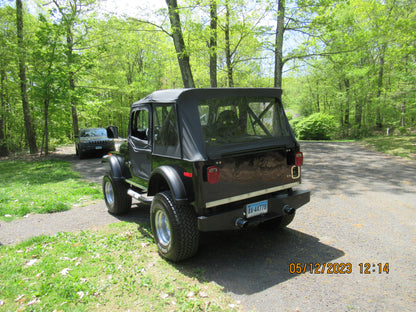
(112, 132)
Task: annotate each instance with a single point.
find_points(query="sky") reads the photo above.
(132, 7)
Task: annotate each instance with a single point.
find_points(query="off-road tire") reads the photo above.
(115, 195)
(174, 227)
(81, 155)
(278, 223)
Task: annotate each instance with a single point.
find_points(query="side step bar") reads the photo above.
(140, 197)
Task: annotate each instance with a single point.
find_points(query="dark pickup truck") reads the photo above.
(207, 160)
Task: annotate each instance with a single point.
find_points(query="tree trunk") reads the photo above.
(278, 53)
(70, 56)
(29, 129)
(379, 120)
(358, 113)
(228, 47)
(46, 126)
(213, 45)
(318, 104)
(181, 53)
(403, 106)
(341, 117)
(403, 114)
(4, 151)
(347, 102)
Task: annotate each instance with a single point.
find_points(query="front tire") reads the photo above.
(174, 227)
(115, 195)
(81, 155)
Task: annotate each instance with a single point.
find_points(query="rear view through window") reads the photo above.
(241, 119)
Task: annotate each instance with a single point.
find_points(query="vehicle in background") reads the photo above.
(94, 141)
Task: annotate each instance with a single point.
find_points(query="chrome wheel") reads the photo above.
(115, 195)
(174, 227)
(162, 228)
(109, 193)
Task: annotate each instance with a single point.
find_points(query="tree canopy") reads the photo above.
(353, 60)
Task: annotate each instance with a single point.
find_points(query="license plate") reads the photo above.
(256, 209)
(98, 147)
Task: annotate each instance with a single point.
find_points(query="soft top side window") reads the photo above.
(165, 130)
(140, 124)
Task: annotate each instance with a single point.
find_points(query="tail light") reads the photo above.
(213, 174)
(298, 159)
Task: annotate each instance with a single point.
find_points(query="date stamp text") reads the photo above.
(338, 268)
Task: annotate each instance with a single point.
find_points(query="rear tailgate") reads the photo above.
(247, 176)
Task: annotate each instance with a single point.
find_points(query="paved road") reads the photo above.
(363, 210)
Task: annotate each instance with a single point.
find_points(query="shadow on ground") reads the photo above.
(246, 261)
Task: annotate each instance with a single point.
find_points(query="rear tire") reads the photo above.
(81, 155)
(174, 227)
(115, 195)
(278, 223)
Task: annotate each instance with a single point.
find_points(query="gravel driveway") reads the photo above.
(362, 210)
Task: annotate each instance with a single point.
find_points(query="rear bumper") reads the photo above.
(227, 220)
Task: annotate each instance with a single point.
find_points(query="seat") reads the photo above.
(227, 120)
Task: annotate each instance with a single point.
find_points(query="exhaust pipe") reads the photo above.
(241, 223)
(140, 197)
(287, 210)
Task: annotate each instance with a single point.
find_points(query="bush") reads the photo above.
(402, 130)
(318, 126)
(289, 116)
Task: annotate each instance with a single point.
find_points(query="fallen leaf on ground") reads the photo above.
(39, 274)
(81, 294)
(65, 271)
(164, 296)
(19, 298)
(31, 262)
(35, 300)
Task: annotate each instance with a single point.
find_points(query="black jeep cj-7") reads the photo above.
(207, 160)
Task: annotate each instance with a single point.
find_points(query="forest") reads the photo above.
(348, 66)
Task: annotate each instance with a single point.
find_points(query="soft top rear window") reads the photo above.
(241, 120)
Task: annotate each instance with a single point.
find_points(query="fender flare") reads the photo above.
(172, 178)
(118, 167)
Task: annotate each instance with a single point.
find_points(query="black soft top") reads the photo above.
(180, 95)
(186, 102)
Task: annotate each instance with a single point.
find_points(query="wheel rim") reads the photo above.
(162, 228)
(109, 193)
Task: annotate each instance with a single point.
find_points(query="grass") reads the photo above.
(400, 145)
(41, 186)
(114, 268)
